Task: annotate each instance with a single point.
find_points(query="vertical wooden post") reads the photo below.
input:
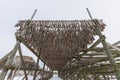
(105, 46)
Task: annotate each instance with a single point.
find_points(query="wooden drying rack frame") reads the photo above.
(72, 73)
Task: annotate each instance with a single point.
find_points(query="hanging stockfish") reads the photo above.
(60, 40)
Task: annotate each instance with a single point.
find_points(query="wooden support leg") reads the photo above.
(5, 57)
(22, 61)
(12, 54)
(16, 70)
(10, 75)
(94, 45)
(105, 46)
(25, 76)
(43, 71)
(34, 77)
(3, 74)
(108, 53)
(9, 61)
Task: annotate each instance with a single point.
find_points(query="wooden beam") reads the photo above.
(22, 61)
(21, 68)
(9, 61)
(114, 47)
(11, 57)
(116, 43)
(31, 49)
(94, 45)
(25, 76)
(42, 76)
(5, 57)
(90, 48)
(109, 54)
(34, 77)
(105, 46)
(10, 75)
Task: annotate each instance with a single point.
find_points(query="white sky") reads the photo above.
(13, 10)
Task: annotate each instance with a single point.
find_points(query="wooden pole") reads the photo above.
(11, 57)
(25, 75)
(105, 46)
(43, 71)
(9, 61)
(10, 75)
(92, 46)
(34, 77)
(16, 70)
(5, 57)
(22, 61)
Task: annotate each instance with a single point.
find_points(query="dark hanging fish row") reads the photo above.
(59, 39)
(60, 23)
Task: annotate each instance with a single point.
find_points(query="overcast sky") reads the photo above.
(13, 10)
